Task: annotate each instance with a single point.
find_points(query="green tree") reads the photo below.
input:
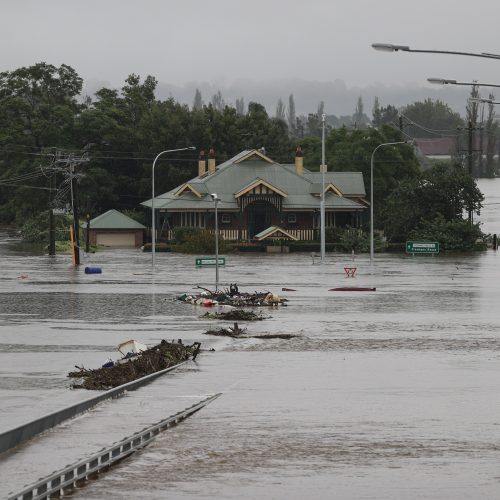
(291, 116)
(38, 106)
(280, 110)
(446, 190)
(376, 113)
(431, 118)
(359, 119)
(198, 101)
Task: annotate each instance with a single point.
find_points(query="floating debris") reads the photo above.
(352, 289)
(233, 297)
(237, 332)
(234, 332)
(134, 365)
(234, 315)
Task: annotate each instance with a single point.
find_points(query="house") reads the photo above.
(114, 229)
(255, 193)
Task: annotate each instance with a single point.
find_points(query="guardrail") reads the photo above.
(66, 478)
(14, 437)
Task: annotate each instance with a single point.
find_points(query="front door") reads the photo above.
(259, 217)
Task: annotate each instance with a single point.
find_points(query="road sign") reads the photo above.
(422, 247)
(209, 261)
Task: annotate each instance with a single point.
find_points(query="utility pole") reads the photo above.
(76, 214)
(71, 161)
(470, 158)
(52, 233)
(470, 129)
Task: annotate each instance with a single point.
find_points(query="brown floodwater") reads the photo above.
(392, 394)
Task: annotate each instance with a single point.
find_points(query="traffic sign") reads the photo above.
(422, 247)
(209, 261)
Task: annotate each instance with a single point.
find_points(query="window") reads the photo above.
(226, 218)
(292, 218)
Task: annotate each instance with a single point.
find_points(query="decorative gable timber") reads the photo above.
(330, 187)
(274, 233)
(254, 155)
(259, 186)
(187, 187)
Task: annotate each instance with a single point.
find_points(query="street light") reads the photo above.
(153, 225)
(389, 47)
(482, 100)
(322, 205)
(371, 194)
(447, 81)
(216, 200)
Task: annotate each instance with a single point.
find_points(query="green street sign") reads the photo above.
(209, 261)
(422, 247)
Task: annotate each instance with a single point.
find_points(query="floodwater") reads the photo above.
(393, 394)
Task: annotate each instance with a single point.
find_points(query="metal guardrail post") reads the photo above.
(82, 469)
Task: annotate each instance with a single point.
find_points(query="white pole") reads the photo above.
(153, 225)
(322, 205)
(372, 250)
(216, 201)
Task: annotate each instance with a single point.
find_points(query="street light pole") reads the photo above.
(372, 251)
(448, 81)
(322, 205)
(389, 47)
(153, 222)
(216, 201)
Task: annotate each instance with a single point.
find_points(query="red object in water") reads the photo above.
(288, 290)
(352, 289)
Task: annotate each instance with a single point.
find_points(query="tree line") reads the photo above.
(46, 128)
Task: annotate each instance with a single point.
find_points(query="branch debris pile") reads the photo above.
(159, 357)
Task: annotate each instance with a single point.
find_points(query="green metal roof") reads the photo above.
(112, 219)
(242, 170)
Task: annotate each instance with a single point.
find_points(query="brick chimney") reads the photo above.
(211, 161)
(202, 163)
(299, 161)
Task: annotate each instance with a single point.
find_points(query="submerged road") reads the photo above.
(392, 394)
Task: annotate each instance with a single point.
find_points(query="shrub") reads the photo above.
(452, 235)
(36, 229)
(181, 234)
(201, 241)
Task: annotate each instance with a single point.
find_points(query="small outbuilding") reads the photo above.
(114, 229)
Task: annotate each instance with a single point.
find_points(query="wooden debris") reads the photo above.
(233, 297)
(234, 315)
(157, 358)
(237, 332)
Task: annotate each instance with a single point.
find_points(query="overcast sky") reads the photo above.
(221, 41)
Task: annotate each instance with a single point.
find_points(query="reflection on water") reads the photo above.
(386, 394)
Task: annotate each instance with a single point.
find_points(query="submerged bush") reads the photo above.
(452, 235)
(201, 241)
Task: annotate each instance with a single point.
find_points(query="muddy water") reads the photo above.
(387, 394)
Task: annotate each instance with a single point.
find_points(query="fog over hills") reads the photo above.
(338, 97)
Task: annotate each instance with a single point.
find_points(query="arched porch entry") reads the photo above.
(260, 215)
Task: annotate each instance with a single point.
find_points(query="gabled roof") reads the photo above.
(254, 155)
(112, 219)
(259, 182)
(250, 169)
(274, 232)
(317, 187)
(189, 187)
(348, 183)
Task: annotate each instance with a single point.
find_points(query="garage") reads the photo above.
(116, 239)
(114, 229)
